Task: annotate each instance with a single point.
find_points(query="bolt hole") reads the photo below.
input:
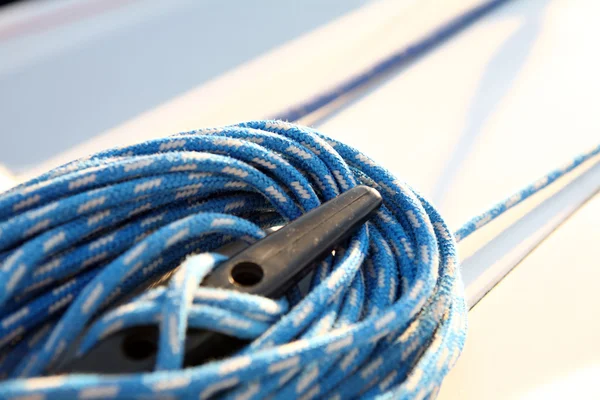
(246, 274)
(139, 347)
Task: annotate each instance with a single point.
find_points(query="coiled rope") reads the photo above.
(384, 317)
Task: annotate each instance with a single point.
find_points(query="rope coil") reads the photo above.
(384, 315)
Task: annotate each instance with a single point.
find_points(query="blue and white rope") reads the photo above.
(384, 317)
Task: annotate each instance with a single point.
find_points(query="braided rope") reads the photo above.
(384, 316)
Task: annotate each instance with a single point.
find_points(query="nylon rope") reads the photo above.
(384, 317)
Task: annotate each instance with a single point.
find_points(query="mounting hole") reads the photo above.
(246, 274)
(139, 347)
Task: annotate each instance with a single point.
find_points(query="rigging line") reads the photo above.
(399, 59)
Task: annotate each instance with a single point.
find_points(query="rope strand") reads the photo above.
(397, 60)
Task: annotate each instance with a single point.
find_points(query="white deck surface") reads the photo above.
(71, 69)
